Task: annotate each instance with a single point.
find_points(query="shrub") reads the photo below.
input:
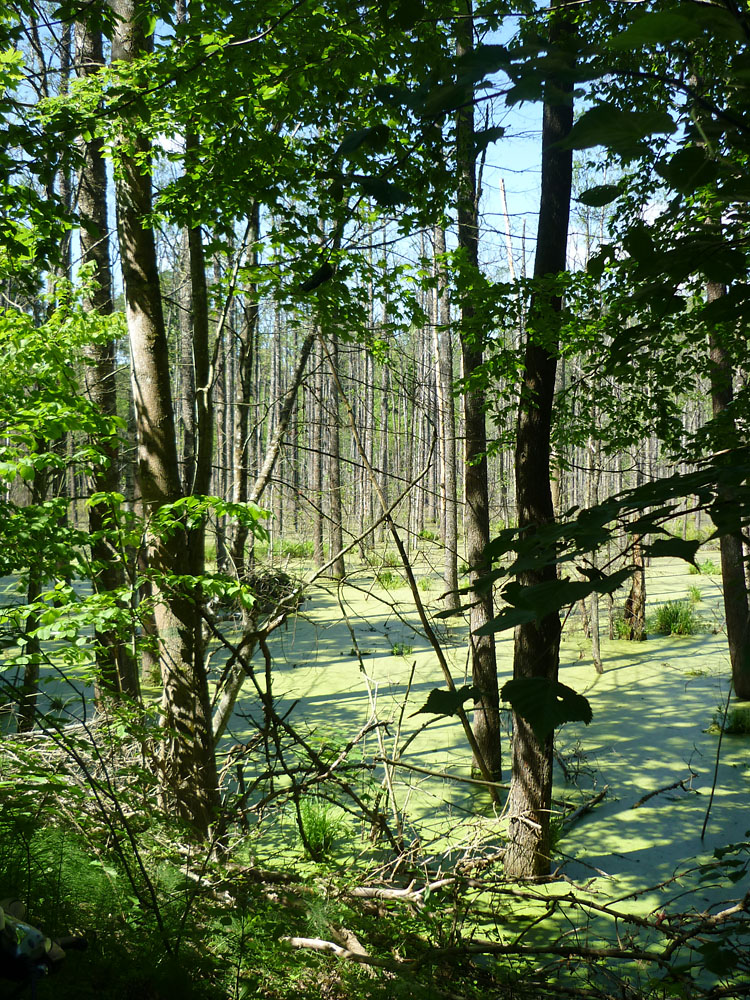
(675, 618)
(402, 649)
(387, 579)
(294, 548)
(694, 595)
(428, 536)
(706, 568)
(322, 824)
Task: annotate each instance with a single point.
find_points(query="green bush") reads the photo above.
(428, 536)
(294, 548)
(402, 649)
(694, 595)
(737, 721)
(675, 618)
(387, 579)
(706, 568)
(322, 824)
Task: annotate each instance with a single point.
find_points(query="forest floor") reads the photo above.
(353, 664)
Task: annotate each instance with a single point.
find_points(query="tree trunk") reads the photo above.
(447, 423)
(734, 583)
(117, 669)
(537, 644)
(476, 517)
(634, 615)
(186, 756)
(338, 569)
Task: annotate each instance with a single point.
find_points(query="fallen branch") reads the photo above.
(408, 895)
(667, 788)
(318, 944)
(586, 807)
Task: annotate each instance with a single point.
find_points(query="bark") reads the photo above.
(592, 497)
(338, 569)
(317, 461)
(734, 583)
(186, 757)
(537, 644)
(447, 424)
(634, 615)
(476, 517)
(117, 669)
(241, 409)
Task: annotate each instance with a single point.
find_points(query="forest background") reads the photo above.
(336, 352)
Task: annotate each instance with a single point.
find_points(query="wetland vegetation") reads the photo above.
(374, 499)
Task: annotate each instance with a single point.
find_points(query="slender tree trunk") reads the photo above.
(187, 763)
(117, 669)
(243, 401)
(734, 583)
(537, 644)
(338, 569)
(447, 422)
(477, 516)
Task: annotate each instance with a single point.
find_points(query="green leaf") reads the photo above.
(376, 137)
(386, 194)
(674, 547)
(441, 702)
(545, 704)
(688, 169)
(659, 28)
(602, 194)
(621, 131)
(487, 136)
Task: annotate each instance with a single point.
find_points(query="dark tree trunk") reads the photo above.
(186, 760)
(537, 644)
(338, 569)
(734, 583)
(634, 615)
(476, 517)
(118, 672)
(447, 422)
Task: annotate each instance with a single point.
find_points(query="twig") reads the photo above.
(718, 757)
(582, 810)
(318, 944)
(666, 788)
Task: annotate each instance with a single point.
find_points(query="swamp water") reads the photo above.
(653, 711)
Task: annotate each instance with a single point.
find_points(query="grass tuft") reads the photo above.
(675, 618)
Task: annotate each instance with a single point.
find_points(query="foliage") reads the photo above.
(675, 618)
(322, 824)
(388, 579)
(401, 649)
(706, 568)
(737, 722)
(694, 595)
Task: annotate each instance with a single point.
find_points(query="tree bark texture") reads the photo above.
(476, 516)
(117, 669)
(733, 578)
(447, 423)
(537, 644)
(187, 763)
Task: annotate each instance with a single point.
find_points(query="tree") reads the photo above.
(477, 516)
(117, 668)
(537, 642)
(187, 763)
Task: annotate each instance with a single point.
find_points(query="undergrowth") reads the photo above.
(675, 618)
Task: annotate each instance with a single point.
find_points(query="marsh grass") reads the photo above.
(737, 722)
(322, 824)
(675, 618)
(706, 568)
